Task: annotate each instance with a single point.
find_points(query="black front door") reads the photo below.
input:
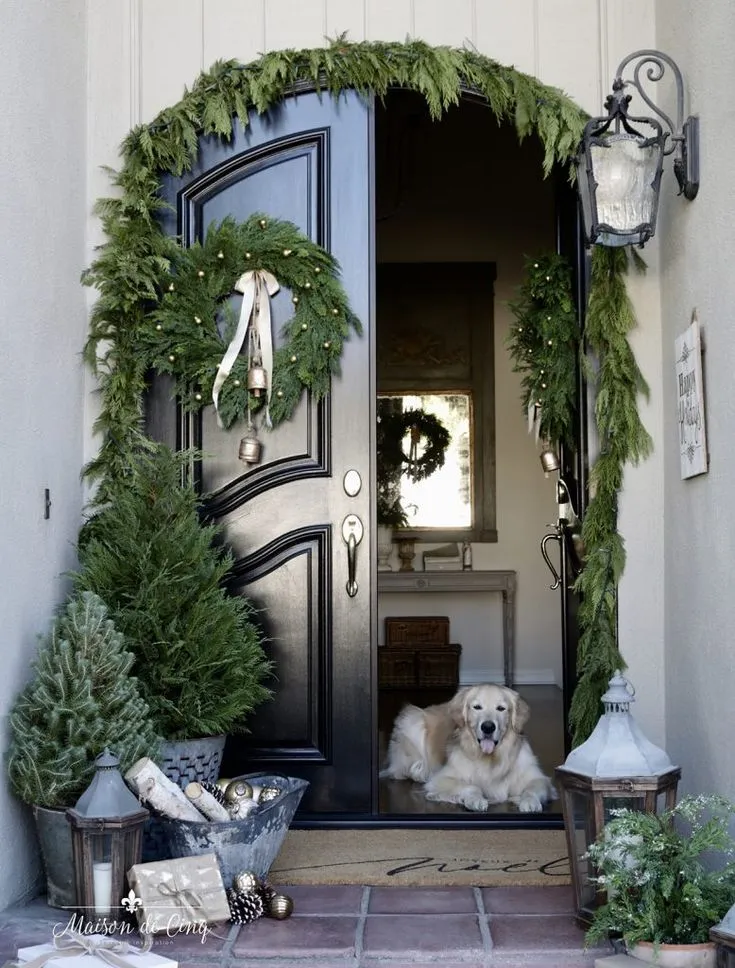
(309, 161)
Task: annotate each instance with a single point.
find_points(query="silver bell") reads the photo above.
(250, 448)
(549, 460)
(257, 380)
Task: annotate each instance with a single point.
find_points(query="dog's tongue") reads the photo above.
(487, 745)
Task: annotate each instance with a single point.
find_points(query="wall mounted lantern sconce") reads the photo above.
(621, 157)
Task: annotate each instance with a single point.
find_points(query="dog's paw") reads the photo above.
(530, 803)
(419, 772)
(476, 803)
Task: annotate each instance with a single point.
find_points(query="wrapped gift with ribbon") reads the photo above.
(186, 891)
(71, 949)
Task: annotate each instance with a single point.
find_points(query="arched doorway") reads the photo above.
(309, 160)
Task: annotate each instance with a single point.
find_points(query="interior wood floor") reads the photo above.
(545, 732)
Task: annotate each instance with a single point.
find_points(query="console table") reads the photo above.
(503, 582)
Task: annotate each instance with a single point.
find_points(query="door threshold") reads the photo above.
(497, 821)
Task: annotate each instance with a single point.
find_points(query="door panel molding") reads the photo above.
(314, 461)
(311, 680)
(309, 151)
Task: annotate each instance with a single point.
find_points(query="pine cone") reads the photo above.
(217, 793)
(244, 907)
(267, 892)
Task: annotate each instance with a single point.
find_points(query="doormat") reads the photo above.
(423, 858)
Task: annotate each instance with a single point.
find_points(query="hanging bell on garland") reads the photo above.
(250, 447)
(257, 379)
(549, 459)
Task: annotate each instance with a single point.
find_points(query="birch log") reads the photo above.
(163, 795)
(205, 802)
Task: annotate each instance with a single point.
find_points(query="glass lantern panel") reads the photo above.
(102, 874)
(625, 168)
(584, 835)
(614, 803)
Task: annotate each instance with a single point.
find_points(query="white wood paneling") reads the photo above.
(233, 29)
(346, 16)
(295, 23)
(389, 19)
(509, 39)
(451, 23)
(628, 25)
(113, 104)
(569, 48)
(171, 51)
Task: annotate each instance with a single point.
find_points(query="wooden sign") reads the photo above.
(690, 397)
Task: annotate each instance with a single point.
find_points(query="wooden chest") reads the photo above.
(419, 667)
(424, 630)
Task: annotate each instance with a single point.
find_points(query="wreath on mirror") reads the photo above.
(194, 334)
(393, 428)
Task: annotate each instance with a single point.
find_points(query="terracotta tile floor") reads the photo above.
(364, 927)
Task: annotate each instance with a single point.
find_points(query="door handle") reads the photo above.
(352, 532)
(556, 536)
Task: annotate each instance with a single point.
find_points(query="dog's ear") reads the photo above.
(457, 707)
(519, 711)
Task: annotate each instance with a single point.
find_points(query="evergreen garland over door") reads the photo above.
(306, 161)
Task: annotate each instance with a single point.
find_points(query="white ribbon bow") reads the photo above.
(70, 943)
(534, 419)
(256, 286)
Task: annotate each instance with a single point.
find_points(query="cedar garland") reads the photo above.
(622, 440)
(130, 264)
(544, 345)
(136, 256)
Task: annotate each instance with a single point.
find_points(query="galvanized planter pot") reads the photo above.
(241, 845)
(54, 837)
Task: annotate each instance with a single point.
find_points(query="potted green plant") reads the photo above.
(80, 699)
(668, 879)
(159, 567)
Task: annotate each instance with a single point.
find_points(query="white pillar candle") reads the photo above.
(102, 883)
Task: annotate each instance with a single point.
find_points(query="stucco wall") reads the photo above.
(42, 205)
(697, 257)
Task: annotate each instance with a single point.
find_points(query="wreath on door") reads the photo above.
(191, 330)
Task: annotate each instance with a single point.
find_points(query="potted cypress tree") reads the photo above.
(199, 657)
(80, 699)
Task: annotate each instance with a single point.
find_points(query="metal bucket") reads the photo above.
(241, 845)
(182, 761)
(54, 836)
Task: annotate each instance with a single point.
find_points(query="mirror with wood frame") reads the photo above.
(435, 355)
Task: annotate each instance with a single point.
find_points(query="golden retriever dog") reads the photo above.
(470, 750)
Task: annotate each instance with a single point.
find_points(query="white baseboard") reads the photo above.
(528, 677)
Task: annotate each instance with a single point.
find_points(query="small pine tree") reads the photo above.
(198, 654)
(81, 700)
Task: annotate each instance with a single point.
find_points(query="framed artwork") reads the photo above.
(690, 402)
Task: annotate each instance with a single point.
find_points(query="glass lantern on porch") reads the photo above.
(617, 767)
(107, 839)
(723, 935)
